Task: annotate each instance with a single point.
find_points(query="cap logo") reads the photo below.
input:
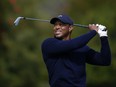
(63, 18)
(60, 16)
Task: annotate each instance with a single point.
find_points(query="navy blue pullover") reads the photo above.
(66, 59)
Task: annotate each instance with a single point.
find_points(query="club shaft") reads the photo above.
(42, 20)
(79, 25)
(36, 19)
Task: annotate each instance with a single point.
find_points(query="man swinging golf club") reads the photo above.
(66, 58)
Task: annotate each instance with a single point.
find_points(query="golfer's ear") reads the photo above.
(71, 28)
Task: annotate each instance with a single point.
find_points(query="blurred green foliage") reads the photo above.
(21, 63)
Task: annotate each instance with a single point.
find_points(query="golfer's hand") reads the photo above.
(93, 27)
(102, 31)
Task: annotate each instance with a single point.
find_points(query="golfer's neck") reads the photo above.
(67, 38)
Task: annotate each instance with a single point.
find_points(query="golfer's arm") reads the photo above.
(103, 57)
(54, 46)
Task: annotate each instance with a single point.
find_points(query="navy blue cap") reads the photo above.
(63, 18)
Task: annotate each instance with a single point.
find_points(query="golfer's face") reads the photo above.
(61, 30)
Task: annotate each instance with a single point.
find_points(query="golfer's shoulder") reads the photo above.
(49, 41)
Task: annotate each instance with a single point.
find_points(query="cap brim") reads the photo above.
(53, 20)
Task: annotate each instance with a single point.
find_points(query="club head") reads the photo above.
(16, 22)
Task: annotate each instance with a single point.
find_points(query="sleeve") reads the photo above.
(55, 46)
(100, 58)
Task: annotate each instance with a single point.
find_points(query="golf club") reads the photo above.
(16, 22)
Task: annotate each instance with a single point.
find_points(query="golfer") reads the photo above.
(66, 58)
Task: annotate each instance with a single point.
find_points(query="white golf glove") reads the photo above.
(102, 31)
